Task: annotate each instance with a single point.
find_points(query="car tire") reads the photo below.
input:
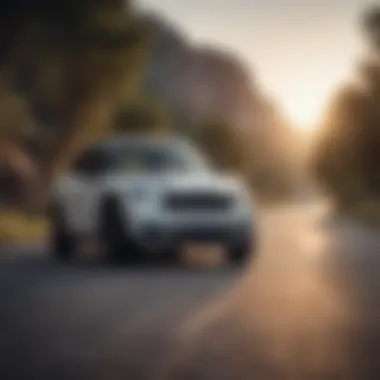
(62, 243)
(118, 245)
(240, 254)
(171, 257)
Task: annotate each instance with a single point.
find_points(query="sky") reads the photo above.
(299, 51)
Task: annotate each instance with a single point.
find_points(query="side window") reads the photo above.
(90, 163)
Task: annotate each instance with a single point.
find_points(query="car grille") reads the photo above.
(198, 201)
(204, 235)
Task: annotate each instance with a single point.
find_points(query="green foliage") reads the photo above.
(66, 67)
(146, 117)
(222, 143)
(75, 62)
(16, 122)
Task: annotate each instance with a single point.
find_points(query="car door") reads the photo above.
(85, 189)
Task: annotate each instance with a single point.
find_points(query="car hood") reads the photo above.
(181, 182)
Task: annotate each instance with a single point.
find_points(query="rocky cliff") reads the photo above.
(200, 81)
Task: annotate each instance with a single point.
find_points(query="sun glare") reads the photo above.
(304, 112)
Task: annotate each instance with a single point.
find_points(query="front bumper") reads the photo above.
(161, 236)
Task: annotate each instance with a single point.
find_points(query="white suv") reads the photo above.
(149, 196)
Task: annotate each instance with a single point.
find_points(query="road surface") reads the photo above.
(308, 308)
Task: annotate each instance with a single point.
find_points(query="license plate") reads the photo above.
(203, 253)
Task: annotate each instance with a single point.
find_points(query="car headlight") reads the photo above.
(245, 199)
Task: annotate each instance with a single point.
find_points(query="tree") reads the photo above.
(223, 144)
(17, 126)
(347, 152)
(74, 62)
(371, 25)
(144, 117)
(338, 162)
(100, 62)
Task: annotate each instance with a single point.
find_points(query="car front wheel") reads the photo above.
(114, 230)
(62, 243)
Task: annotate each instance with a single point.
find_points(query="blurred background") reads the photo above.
(284, 93)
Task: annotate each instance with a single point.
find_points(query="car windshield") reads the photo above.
(157, 157)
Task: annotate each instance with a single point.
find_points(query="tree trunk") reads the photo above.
(15, 160)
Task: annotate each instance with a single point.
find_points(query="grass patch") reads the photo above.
(20, 228)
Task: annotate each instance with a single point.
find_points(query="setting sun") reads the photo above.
(304, 111)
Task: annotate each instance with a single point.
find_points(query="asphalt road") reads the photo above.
(307, 308)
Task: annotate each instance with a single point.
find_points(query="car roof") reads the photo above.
(116, 143)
